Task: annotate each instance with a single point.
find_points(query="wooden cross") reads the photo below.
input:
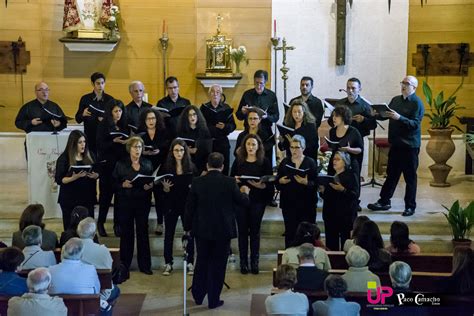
(341, 32)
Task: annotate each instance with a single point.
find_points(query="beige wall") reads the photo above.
(137, 57)
(443, 21)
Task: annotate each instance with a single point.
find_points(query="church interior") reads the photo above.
(379, 42)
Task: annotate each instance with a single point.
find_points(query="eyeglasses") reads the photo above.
(42, 90)
(253, 118)
(137, 147)
(295, 147)
(151, 118)
(178, 150)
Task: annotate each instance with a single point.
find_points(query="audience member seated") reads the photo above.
(77, 215)
(35, 257)
(3, 245)
(358, 273)
(71, 275)
(10, 282)
(286, 302)
(306, 233)
(308, 276)
(370, 239)
(33, 215)
(462, 279)
(96, 255)
(400, 241)
(37, 301)
(400, 275)
(358, 222)
(335, 304)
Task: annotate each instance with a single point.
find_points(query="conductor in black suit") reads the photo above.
(210, 216)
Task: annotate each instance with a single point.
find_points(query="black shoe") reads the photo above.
(101, 230)
(219, 304)
(272, 203)
(359, 209)
(408, 212)
(146, 271)
(377, 206)
(117, 231)
(254, 268)
(244, 269)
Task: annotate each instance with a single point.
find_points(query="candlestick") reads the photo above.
(274, 28)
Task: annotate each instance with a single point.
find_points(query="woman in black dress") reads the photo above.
(77, 187)
(302, 121)
(152, 129)
(110, 148)
(347, 136)
(251, 161)
(252, 126)
(340, 202)
(133, 202)
(219, 130)
(175, 190)
(193, 129)
(296, 181)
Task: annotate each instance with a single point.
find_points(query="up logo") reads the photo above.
(378, 294)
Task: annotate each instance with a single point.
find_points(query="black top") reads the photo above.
(34, 109)
(106, 148)
(341, 207)
(175, 199)
(257, 170)
(353, 138)
(293, 195)
(210, 207)
(360, 106)
(168, 104)
(310, 278)
(267, 138)
(200, 157)
(161, 141)
(219, 135)
(266, 101)
(315, 105)
(91, 122)
(78, 192)
(310, 133)
(134, 111)
(124, 171)
(406, 132)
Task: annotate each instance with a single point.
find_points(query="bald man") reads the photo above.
(404, 136)
(41, 114)
(137, 106)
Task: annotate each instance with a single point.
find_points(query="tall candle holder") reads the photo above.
(164, 39)
(275, 42)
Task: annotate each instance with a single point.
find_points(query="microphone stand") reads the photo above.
(373, 182)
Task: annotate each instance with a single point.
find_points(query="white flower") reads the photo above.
(112, 19)
(242, 49)
(114, 9)
(233, 51)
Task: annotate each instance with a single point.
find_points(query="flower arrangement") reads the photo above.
(238, 55)
(112, 22)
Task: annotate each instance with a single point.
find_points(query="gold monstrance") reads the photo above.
(218, 47)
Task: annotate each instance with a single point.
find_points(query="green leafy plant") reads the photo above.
(442, 110)
(460, 219)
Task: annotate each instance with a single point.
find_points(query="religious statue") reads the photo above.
(218, 61)
(88, 18)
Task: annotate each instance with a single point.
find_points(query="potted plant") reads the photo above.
(461, 220)
(440, 146)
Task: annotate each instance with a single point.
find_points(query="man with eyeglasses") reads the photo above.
(261, 98)
(41, 114)
(137, 106)
(315, 105)
(404, 136)
(172, 100)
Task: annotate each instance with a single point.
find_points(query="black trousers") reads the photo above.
(158, 204)
(224, 149)
(249, 220)
(401, 161)
(336, 236)
(171, 219)
(106, 192)
(67, 210)
(209, 272)
(292, 218)
(134, 217)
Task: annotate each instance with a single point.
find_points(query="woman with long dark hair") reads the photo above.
(371, 240)
(461, 281)
(356, 227)
(299, 118)
(252, 126)
(132, 204)
(340, 202)
(157, 139)
(251, 161)
(192, 127)
(77, 186)
(175, 190)
(296, 181)
(110, 148)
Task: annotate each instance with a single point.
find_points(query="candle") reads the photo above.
(164, 26)
(274, 27)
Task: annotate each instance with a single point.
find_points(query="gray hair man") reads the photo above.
(35, 257)
(358, 273)
(308, 276)
(400, 275)
(37, 301)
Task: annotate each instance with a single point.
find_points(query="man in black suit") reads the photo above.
(210, 216)
(309, 277)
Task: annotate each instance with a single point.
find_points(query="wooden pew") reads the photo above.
(77, 305)
(105, 277)
(426, 262)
